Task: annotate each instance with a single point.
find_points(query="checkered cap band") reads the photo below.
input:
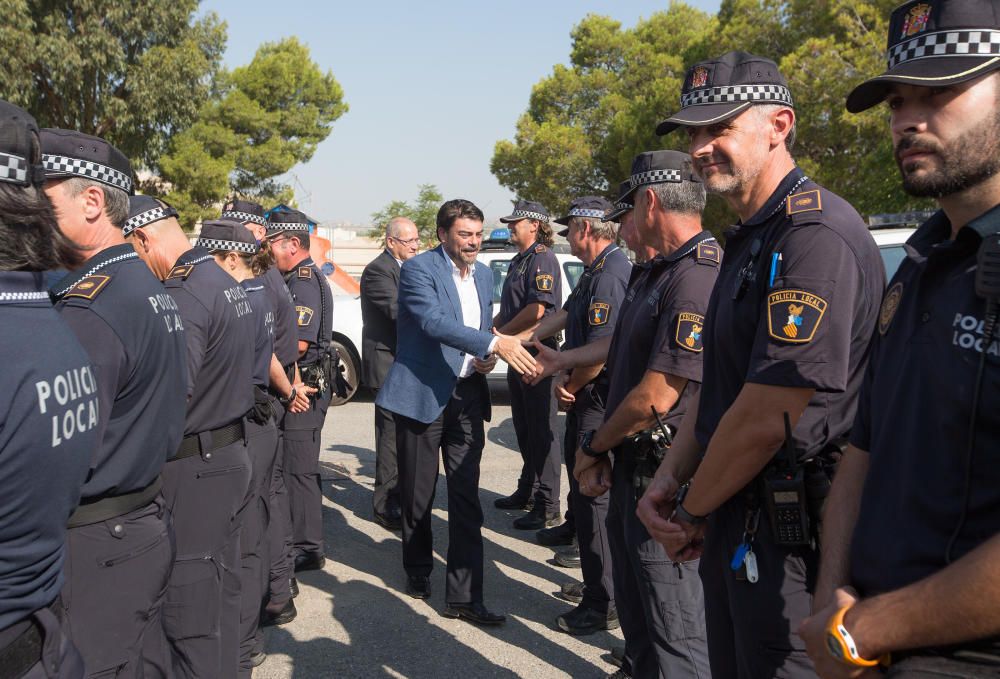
(89, 169)
(584, 212)
(245, 217)
(654, 177)
(968, 43)
(527, 214)
(235, 246)
(287, 226)
(13, 169)
(734, 94)
(147, 217)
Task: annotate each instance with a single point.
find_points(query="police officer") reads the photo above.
(910, 534)
(130, 329)
(205, 482)
(531, 291)
(786, 336)
(288, 235)
(654, 362)
(49, 409)
(234, 249)
(589, 316)
(286, 387)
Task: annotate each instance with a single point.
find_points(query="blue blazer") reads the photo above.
(432, 338)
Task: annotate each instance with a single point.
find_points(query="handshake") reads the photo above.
(514, 350)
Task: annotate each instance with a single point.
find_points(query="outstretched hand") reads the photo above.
(547, 362)
(517, 357)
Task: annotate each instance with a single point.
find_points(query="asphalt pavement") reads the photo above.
(354, 620)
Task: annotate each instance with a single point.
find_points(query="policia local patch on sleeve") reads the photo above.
(794, 315)
(305, 315)
(599, 313)
(689, 331)
(544, 282)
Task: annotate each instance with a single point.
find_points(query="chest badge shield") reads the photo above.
(305, 315)
(889, 306)
(544, 282)
(794, 315)
(599, 313)
(689, 331)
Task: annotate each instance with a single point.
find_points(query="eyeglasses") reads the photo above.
(407, 242)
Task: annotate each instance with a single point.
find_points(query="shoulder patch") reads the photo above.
(305, 315)
(807, 201)
(889, 306)
(305, 272)
(794, 315)
(599, 313)
(89, 287)
(182, 271)
(689, 331)
(544, 282)
(709, 252)
(540, 248)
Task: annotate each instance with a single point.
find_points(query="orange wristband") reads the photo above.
(841, 645)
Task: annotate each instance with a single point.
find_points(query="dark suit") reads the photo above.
(439, 415)
(379, 291)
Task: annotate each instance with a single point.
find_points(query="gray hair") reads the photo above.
(765, 110)
(115, 200)
(394, 227)
(684, 197)
(598, 229)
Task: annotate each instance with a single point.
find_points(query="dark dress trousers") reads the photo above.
(379, 293)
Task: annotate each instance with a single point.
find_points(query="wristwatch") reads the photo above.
(289, 399)
(588, 436)
(842, 646)
(683, 514)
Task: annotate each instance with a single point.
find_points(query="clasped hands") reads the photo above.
(681, 540)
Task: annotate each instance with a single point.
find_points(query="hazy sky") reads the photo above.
(431, 87)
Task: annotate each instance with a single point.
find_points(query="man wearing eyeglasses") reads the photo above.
(379, 290)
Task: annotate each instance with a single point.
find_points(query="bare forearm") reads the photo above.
(655, 390)
(582, 376)
(549, 326)
(840, 515)
(746, 439)
(279, 380)
(595, 353)
(526, 319)
(960, 603)
(684, 455)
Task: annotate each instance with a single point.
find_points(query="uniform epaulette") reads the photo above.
(305, 272)
(539, 249)
(600, 264)
(181, 271)
(806, 201)
(89, 287)
(709, 253)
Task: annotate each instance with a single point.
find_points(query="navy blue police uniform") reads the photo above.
(592, 312)
(533, 277)
(794, 306)
(49, 412)
(119, 552)
(285, 340)
(221, 237)
(205, 482)
(314, 318)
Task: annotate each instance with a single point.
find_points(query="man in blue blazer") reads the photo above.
(437, 389)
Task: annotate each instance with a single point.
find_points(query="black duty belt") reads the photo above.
(218, 438)
(25, 650)
(104, 508)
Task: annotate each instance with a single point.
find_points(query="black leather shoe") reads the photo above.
(584, 620)
(418, 586)
(535, 519)
(388, 521)
(571, 592)
(293, 587)
(258, 658)
(620, 674)
(569, 558)
(617, 656)
(557, 536)
(475, 612)
(515, 501)
(311, 561)
(286, 615)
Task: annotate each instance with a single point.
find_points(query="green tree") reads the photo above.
(586, 121)
(423, 212)
(132, 73)
(269, 115)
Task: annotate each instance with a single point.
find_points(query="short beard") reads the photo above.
(733, 183)
(970, 160)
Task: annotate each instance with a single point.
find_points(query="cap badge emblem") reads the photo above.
(916, 20)
(699, 77)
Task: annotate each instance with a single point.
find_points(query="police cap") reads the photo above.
(68, 153)
(622, 205)
(527, 209)
(244, 211)
(588, 207)
(658, 167)
(143, 210)
(935, 43)
(226, 234)
(718, 89)
(286, 220)
(17, 127)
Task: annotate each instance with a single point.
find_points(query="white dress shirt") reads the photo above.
(468, 295)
